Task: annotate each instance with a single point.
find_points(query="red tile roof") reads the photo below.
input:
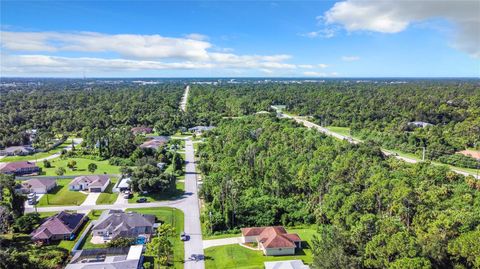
(272, 237)
(472, 153)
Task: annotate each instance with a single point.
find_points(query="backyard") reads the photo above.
(175, 218)
(103, 167)
(236, 256)
(60, 195)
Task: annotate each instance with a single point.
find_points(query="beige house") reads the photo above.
(273, 241)
(38, 185)
(93, 183)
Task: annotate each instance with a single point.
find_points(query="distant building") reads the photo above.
(141, 130)
(124, 184)
(419, 124)
(38, 185)
(93, 183)
(62, 226)
(108, 258)
(17, 151)
(291, 264)
(116, 223)
(200, 129)
(471, 153)
(19, 168)
(273, 241)
(161, 166)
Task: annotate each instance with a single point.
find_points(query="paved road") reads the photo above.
(221, 242)
(309, 124)
(76, 141)
(183, 103)
(192, 210)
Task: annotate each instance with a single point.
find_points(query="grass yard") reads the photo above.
(235, 256)
(108, 197)
(38, 155)
(155, 197)
(103, 167)
(174, 217)
(60, 195)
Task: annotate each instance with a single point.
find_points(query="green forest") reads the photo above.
(372, 211)
(376, 112)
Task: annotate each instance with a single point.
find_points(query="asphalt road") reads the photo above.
(309, 124)
(183, 103)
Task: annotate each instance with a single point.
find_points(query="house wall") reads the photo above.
(279, 251)
(249, 239)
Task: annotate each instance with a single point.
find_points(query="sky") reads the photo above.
(349, 38)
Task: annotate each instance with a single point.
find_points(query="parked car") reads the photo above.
(142, 200)
(127, 194)
(183, 236)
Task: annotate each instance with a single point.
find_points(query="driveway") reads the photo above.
(76, 141)
(39, 195)
(221, 242)
(91, 198)
(120, 200)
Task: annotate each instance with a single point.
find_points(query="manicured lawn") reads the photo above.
(108, 197)
(154, 197)
(103, 167)
(60, 195)
(174, 217)
(236, 256)
(219, 236)
(38, 155)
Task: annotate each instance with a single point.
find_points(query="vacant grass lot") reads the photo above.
(154, 197)
(108, 197)
(235, 256)
(60, 195)
(81, 169)
(38, 155)
(171, 216)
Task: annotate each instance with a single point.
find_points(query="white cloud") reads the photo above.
(306, 66)
(323, 65)
(196, 36)
(350, 58)
(24, 52)
(314, 74)
(387, 16)
(328, 32)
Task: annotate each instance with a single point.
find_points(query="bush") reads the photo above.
(120, 242)
(27, 222)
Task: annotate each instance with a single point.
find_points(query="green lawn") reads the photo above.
(60, 195)
(235, 256)
(103, 167)
(155, 197)
(67, 244)
(108, 197)
(174, 217)
(38, 155)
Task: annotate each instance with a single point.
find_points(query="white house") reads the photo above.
(93, 183)
(38, 185)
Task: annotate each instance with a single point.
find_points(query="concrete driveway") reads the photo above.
(221, 242)
(91, 198)
(39, 195)
(120, 200)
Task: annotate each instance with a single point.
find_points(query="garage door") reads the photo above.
(95, 190)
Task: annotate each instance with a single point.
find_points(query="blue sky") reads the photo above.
(347, 38)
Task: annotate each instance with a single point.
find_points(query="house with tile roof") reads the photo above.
(155, 143)
(62, 226)
(141, 130)
(116, 223)
(93, 183)
(19, 168)
(273, 241)
(38, 185)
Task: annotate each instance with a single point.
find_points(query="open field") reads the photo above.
(236, 256)
(174, 217)
(38, 155)
(108, 197)
(103, 167)
(60, 195)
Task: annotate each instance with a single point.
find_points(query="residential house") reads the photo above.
(116, 223)
(141, 130)
(38, 185)
(19, 168)
(200, 129)
(17, 150)
(62, 226)
(124, 184)
(108, 258)
(154, 144)
(273, 241)
(93, 183)
(290, 264)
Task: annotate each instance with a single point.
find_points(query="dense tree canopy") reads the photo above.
(373, 211)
